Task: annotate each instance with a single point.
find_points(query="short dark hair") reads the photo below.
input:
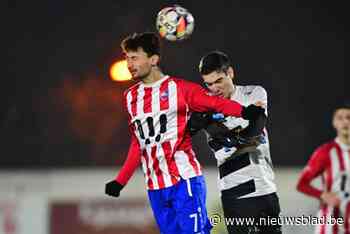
(214, 61)
(148, 41)
(344, 105)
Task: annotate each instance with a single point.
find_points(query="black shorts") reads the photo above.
(252, 215)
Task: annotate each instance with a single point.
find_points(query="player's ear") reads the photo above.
(155, 59)
(334, 122)
(230, 72)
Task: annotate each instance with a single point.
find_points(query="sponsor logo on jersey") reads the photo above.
(164, 95)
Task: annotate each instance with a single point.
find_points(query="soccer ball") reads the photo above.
(175, 23)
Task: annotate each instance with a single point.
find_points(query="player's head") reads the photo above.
(217, 73)
(142, 53)
(341, 120)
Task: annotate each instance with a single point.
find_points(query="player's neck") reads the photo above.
(154, 76)
(233, 90)
(344, 139)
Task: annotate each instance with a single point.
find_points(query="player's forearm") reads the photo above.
(114, 187)
(225, 106)
(126, 172)
(204, 103)
(304, 186)
(132, 162)
(199, 100)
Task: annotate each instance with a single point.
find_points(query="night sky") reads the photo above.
(60, 108)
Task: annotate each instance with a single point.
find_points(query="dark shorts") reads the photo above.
(252, 215)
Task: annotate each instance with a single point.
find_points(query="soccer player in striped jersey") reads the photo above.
(331, 161)
(159, 107)
(246, 178)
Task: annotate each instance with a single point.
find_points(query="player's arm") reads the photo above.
(132, 162)
(209, 121)
(198, 100)
(314, 168)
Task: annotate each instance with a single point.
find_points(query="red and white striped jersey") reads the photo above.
(331, 161)
(158, 115)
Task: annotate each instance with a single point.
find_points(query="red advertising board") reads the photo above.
(102, 217)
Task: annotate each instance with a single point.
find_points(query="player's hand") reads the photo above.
(261, 104)
(330, 199)
(201, 120)
(252, 112)
(198, 121)
(113, 188)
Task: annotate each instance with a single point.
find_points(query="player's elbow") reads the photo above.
(301, 185)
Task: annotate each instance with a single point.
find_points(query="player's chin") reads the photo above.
(220, 95)
(135, 76)
(223, 95)
(133, 73)
(345, 131)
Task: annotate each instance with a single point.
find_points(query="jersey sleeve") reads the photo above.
(133, 159)
(199, 100)
(316, 165)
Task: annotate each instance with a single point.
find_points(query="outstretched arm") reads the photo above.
(200, 101)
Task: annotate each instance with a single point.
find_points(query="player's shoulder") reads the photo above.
(183, 83)
(179, 80)
(131, 88)
(250, 90)
(325, 148)
(176, 79)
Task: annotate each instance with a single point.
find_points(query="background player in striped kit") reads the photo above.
(331, 161)
(158, 109)
(245, 174)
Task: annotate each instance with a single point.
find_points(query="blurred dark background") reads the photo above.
(59, 107)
